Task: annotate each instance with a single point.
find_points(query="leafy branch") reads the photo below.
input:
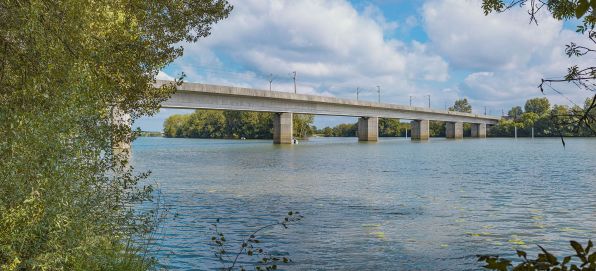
(250, 246)
(545, 260)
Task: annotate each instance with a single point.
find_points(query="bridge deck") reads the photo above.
(202, 96)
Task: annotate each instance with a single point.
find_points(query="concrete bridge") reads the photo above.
(284, 104)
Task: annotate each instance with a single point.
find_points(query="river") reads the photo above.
(395, 204)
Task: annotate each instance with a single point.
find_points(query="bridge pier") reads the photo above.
(282, 128)
(479, 130)
(368, 129)
(121, 118)
(420, 129)
(454, 130)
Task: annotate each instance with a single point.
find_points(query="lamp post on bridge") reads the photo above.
(271, 80)
(293, 77)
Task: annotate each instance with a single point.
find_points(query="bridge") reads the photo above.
(284, 104)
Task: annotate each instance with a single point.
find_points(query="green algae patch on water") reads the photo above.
(569, 229)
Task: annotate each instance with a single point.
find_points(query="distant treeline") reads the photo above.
(546, 120)
(387, 128)
(537, 113)
(150, 134)
(231, 124)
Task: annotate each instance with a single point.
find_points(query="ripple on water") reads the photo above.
(390, 205)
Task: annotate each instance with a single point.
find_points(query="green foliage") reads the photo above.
(150, 134)
(66, 197)
(302, 125)
(546, 261)
(461, 106)
(392, 127)
(539, 106)
(560, 120)
(250, 247)
(328, 131)
(437, 128)
(515, 112)
(231, 124)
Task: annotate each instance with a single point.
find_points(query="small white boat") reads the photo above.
(295, 141)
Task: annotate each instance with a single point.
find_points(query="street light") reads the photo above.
(271, 80)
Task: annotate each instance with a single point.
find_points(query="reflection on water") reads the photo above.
(394, 204)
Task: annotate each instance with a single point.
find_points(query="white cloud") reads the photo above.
(326, 41)
(499, 41)
(163, 76)
(508, 55)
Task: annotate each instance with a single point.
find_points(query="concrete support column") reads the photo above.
(454, 130)
(282, 128)
(123, 121)
(479, 130)
(368, 129)
(420, 129)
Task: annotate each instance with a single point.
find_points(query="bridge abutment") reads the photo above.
(420, 129)
(282, 128)
(454, 130)
(368, 129)
(479, 130)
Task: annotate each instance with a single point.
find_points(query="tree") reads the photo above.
(582, 77)
(389, 127)
(65, 66)
(539, 106)
(461, 106)
(328, 131)
(527, 120)
(515, 112)
(301, 123)
(437, 128)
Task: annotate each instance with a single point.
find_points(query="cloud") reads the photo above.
(500, 41)
(507, 57)
(326, 41)
(163, 76)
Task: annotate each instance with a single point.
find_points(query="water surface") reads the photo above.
(395, 204)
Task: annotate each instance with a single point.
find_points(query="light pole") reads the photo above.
(446, 105)
(485, 110)
(411, 99)
(428, 101)
(293, 77)
(271, 80)
(379, 90)
(358, 92)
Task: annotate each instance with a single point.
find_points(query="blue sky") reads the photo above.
(446, 49)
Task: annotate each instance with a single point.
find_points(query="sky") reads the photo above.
(447, 49)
